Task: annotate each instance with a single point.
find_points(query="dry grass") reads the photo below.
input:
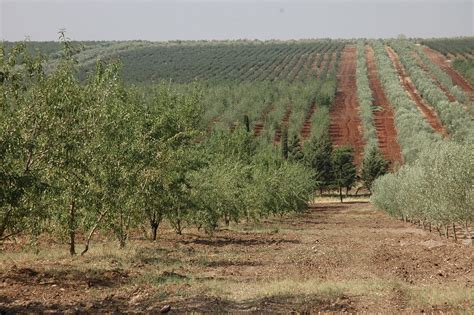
(333, 258)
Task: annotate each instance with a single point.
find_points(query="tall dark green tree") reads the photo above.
(343, 168)
(284, 142)
(295, 152)
(373, 166)
(247, 123)
(317, 155)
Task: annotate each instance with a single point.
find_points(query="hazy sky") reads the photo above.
(232, 19)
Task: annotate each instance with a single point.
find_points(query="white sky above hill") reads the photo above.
(231, 19)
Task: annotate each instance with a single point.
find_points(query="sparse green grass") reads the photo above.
(451, 295)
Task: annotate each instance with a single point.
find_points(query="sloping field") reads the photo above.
(333, 258)
(458, 79)
(426, 109)
(345, 127)
(383, 115)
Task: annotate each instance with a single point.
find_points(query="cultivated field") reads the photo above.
(227, 176)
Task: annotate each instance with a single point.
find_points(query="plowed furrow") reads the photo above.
(425, 109)
(345, 127)
(383, 115)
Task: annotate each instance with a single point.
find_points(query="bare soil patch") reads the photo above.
(284, 122)
(308, 122)
(333, 258)
(345, 127)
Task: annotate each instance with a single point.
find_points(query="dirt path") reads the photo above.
(333, 258)
(443, 63)
(425, 109)
(308, 123)
(384, 116)
(345, 127)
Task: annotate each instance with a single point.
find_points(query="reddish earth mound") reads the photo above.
(443, 63)
(258, 127)
(284, 122)
(308, 122)
(345, 127)
(383, 116)
(426, 109)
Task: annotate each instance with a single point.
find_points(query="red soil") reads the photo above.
(258, 127)
(308, 122)
(440, 86)
(214, 121)
(284, 122)
(443, 63)
(426, 109)
(383, 117)
(345, 127)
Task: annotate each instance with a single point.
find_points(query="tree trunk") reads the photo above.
(155, 221)
(454, 232)
(340, 193)
(122, 241)
(154, 231)
(5, 221)
(91, 233)
(72, 229)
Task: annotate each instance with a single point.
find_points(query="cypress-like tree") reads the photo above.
(284, 142)
(373, 166)
(295, 151)
(343, 168)
(317, 156)
(247, 123)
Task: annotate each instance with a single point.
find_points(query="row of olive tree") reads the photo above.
(458, 124)
(373, 164)
(413, 131)
(436, 189)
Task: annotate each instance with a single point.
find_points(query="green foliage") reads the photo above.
(247, 123)
(365, 98)
(438, 188)
(284, 142)
(344, 170)
(327, 92)
(413, 131)
(78, 157)
(295, 151)
(212, 61)
(459, 125)
(373, 166)
(465, 67)
(317, 156)
(459, 46)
